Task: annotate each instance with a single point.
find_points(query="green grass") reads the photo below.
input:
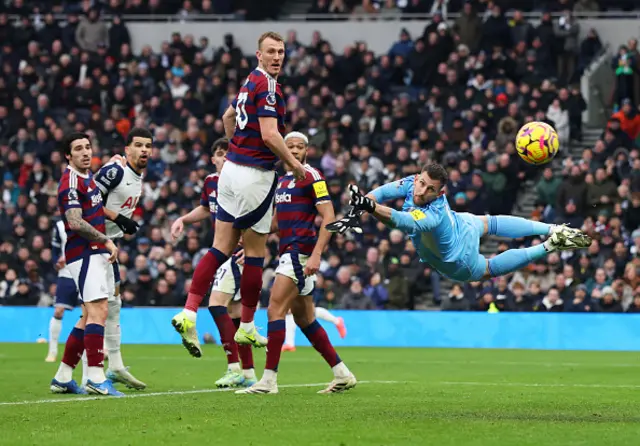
(442, 397)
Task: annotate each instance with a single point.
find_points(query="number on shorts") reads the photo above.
(219, 276)
(241, 113)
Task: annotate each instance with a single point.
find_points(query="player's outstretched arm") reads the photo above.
(229, 121)
(390, 191)
(76, 223)
(326, 211)
(274, 140)
(194, 216)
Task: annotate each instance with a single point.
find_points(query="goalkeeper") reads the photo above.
(447, 241)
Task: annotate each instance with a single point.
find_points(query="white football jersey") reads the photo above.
(122, 188)
(58, 244)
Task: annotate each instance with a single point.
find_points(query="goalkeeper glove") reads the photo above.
(350, 222)
(127, 225)
(360, 202)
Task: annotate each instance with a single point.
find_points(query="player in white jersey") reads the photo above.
(66, 290)
(121, 187)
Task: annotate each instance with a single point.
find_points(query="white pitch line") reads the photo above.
(423, 361)
(510, 384)
(169, 393)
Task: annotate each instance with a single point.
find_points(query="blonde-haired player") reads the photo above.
(255, 124)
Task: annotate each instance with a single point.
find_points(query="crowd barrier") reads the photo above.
(554, 331)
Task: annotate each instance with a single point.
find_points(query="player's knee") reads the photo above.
(277, 309)
(58, 312)
(235, 310)
(218, 299)
(97, 311)
(254, 243)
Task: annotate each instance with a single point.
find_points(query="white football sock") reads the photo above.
(249, 373)
(55, 325)
(64, 373)
(85, 368)
(325, 315)
(234, 367)
(191, 315)
(290, 331)
(269, 376)
(340, 370)
(96, 374)
(112, 336)
(248, 326)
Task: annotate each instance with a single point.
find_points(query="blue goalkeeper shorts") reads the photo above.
(475, 263)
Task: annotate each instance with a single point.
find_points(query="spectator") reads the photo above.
(609, 302)
(567, 31)
(91, 32)
(560, 120)
(355, 299)
(547, 187)
(469, 27)
(551, 302)
(579, 304)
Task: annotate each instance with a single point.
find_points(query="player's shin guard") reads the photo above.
(55, 326)
(245, 352)
(227, 329)
(112, 335)
(290, 337)
(516, 227)
(275, 334)
(515, 259)
(202, 277)
(94, 344)
(250, 287)
(320, 341)
(72, 353)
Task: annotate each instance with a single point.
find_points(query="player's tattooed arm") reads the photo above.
(76, 223)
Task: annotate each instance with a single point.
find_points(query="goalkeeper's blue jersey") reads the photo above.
(444, 239)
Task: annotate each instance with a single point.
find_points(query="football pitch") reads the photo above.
(405, 396)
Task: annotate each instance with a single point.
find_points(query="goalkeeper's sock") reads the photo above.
(516, 227)
(515, 259)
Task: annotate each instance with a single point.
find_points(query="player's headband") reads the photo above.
(302, 136)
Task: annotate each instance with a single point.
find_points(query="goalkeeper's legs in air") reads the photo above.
(560, 238)
(305, 313)
(224, 306)
(226, 240)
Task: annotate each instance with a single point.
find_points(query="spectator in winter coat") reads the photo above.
(469, 27)
(91, 31)
(602, 194)
(578, 304)
(403, 46)
(629, 119)
(560, 120)
(573, 188)
(551, 302)
(355, 299)
(609, 302)
(547, 187)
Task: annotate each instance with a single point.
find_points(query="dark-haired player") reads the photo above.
(224, 302)
(255, 124)
(121, 187)
(298, 202)
(449, 241)
(89, 254)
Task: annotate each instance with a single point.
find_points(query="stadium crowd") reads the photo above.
(456, 95)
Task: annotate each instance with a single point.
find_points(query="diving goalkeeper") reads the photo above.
(447, 241)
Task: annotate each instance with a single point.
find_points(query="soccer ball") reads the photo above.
(537, 143)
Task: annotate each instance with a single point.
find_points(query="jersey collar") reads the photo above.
(134, 170)
(77, 172)
(265, 73)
